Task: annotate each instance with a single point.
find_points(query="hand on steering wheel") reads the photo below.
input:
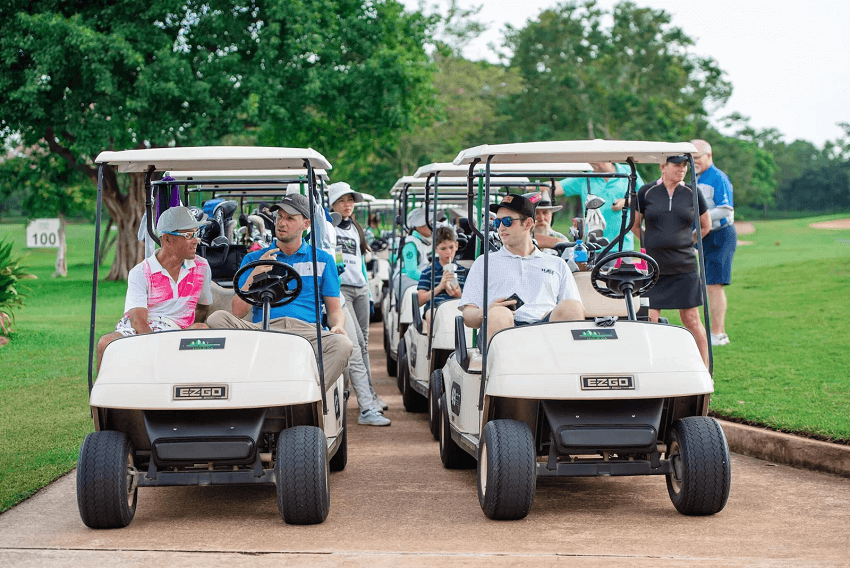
(625, 274)
(267, 285)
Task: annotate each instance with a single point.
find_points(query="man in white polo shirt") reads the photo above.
(543, 282)
(171, 288)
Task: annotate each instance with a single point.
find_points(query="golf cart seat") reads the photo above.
(444, 326)
(408, 298)
(597, 305)
(223, 300)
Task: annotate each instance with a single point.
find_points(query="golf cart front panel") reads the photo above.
(579, 360)
(228, 369)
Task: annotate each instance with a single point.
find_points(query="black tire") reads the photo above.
(392, 365)
(702, 476)
(301, 474)
(401, 366)
(507, 475)
(340, 459)
(106, 489)
(412, 400)
(452, 455)
(435, 388)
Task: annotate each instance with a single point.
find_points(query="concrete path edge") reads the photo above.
(787, 449)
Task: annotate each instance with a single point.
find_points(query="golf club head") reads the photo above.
(594, 201)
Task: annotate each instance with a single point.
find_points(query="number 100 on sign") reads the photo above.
(43, 233)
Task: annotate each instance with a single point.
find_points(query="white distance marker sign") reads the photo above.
(43, 233)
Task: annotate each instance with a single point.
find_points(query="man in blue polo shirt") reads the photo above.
(721, 242)
(292, 218)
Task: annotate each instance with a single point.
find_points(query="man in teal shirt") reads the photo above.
(612, 190)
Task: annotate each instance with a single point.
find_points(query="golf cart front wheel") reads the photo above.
(301, 475)
(702, 476)
(452, 455)
(434, 393)
(507, 476)
(392, 365)
(106, 483)
(340, 459)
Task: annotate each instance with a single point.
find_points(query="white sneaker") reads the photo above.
(721, 339)
(373, 418)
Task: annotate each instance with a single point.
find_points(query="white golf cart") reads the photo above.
(377, 261)
(599, 397)
(408, 193)
(420, 376)
(213, 407)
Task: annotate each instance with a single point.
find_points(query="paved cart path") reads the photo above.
(395, 505)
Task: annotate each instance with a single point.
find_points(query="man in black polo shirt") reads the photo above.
(666, 207)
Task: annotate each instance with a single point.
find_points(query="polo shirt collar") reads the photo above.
(505, 252)
(303, 249)
(157, 267)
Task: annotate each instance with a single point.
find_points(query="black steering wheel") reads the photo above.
(267, 285)
(626, 275)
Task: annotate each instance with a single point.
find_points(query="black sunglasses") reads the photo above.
(506, 221)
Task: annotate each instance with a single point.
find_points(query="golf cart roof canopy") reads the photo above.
(248, 175)
(213, 158)
(416, 186)
(462, 170)
(576, 151)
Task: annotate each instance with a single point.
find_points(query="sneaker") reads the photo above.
(381, 403)
(373, 418)
(721, 339)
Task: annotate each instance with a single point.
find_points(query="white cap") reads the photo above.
(177, 219)
(416, 218)
(340, 188)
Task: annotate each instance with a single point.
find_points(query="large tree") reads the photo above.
(90, 76)
(627, 74)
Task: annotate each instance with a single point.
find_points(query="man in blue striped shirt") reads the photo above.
(292, 218)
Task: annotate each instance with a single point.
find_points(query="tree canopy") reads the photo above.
(86, 77)
(632, 79)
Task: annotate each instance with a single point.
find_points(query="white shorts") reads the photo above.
(156, 323)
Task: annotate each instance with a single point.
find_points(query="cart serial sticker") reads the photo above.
(591, 334)
(607, 383)
(200, 392)
(199, 344)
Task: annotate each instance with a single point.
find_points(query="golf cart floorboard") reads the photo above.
(187, 478)
(603, 468)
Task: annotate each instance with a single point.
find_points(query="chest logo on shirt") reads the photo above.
(548, 270)
(346, 244)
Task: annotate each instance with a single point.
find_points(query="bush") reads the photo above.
(11, 293)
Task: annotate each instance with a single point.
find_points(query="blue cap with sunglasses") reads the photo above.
(176, 219)
(518, 203)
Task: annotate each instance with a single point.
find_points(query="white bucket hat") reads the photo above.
(340, 188)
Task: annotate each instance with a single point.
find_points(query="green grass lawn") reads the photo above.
(788, 365)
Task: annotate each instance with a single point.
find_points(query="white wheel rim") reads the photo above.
(482, 468)
(674, 480)
(131, 479)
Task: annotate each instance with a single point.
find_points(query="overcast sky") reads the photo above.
(787, 60)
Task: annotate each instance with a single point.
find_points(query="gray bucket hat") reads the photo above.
(176, 219)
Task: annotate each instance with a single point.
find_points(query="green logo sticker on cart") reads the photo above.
(591, 334)
(201, 344)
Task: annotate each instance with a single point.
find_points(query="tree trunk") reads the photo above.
(126, 212)
(61, 264)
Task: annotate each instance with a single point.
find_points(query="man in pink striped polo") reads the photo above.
(171, 288)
